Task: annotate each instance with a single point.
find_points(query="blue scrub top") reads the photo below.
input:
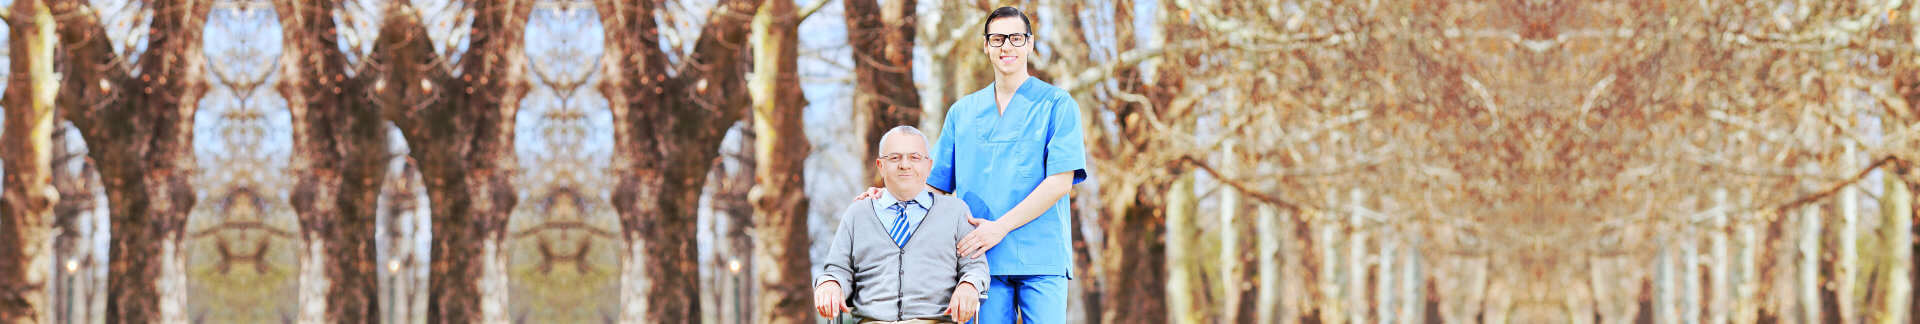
(993, 160)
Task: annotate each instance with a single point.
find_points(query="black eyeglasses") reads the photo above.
(1018, 39)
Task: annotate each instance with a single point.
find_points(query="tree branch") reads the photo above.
(1243, 187)
(1834, 187)
(811, 8)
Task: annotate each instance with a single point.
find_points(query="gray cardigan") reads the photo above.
(892, 283)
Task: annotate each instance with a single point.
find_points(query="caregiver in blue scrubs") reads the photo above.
(1011, 152)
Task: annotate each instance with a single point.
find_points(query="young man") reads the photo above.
(1012, 151)
(895, 252)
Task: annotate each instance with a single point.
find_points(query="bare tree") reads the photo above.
(27, 204)
(148, 122)
(339, 161)
(781, 148)
(667, 127)
(460, 129)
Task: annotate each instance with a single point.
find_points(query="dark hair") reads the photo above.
(1007, 12)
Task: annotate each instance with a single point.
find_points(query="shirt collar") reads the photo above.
(924, 199)
(1026, 85)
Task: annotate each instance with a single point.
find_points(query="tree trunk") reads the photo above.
(1720, 289)
(882, 42)
(1409, 299)
(1135, 264)
(657, 112)
(1267, 304)
(148, 123)
(1690, 288)
(1748, 300)
(1809, 267)
(26, 206)
(1185, 289)
(1384, 299)
(1244, 289)
(1330, 305)
(1667, 300)
(1134, 270)
(338, 163)
(1229, 258)
(1356, 269)
(1779, 262)
(780, 208)
(1298, 258)
(1846, 266)
(460, 131)
(1896, 205)
(1084, 231)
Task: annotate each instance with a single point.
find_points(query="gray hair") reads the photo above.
(902, 129)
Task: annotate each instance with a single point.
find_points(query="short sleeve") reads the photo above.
(1066, 145)
(941, 177)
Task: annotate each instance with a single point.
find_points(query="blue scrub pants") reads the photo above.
(1036, 299)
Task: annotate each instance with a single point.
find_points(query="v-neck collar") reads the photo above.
(1016, 106)
(1018, 96)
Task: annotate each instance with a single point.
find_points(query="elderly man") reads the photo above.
(895, 252)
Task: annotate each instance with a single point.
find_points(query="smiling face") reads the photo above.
(1007, 58)
(909, 172)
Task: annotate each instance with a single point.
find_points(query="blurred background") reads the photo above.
(569, 161)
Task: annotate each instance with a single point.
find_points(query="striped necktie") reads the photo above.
(900, 232)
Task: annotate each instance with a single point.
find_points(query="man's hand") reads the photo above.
(869, 194)
(985, 235)
(828, 300)
(965, 302)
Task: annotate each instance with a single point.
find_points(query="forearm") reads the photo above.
(1043, 197)
(974, 270)
(839, 258)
